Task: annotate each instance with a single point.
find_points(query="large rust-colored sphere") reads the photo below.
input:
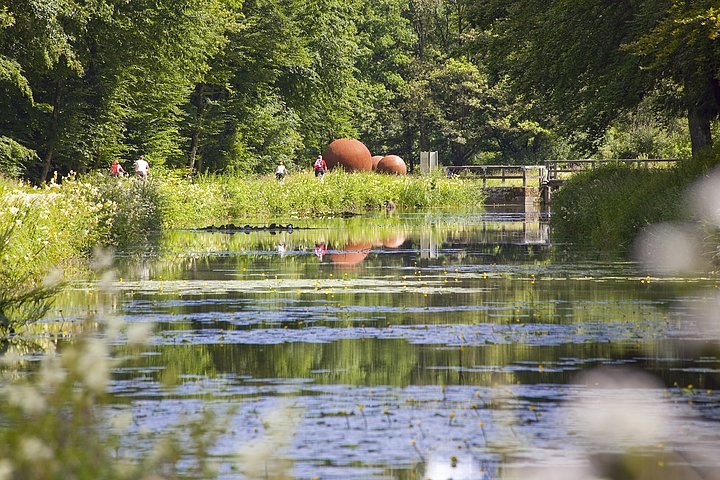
(392, 164)
(348, 153)
(376, 159)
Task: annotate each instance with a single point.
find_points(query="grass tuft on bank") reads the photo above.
(607, 207)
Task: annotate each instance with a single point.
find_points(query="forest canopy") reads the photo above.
(239, 85)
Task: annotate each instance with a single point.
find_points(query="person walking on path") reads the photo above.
(142, 168)
(280, 172)
(116, 170)
(320, 167)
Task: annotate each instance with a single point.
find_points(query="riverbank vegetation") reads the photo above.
(609, 206)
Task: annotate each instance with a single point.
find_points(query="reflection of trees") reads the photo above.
(176, 361)
(396, 362)
(468, 283)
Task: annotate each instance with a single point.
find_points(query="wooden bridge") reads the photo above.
(538, 181)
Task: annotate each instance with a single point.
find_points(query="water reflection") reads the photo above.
(406, 341)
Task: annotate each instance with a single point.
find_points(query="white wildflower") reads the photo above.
(114, 325)
(102, 258)
(6, 469)
(33, 449)
(26, 398)
(263, 458)
(704, 198)
(11, 358)
(107, 281)
(139, 333)
(94, 365)
(666, 248)
(53, 278)
(621, 409)
(51, 373)
(121, 421)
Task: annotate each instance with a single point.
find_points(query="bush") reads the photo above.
(136, 210)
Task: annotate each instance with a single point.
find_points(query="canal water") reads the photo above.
(418, 345)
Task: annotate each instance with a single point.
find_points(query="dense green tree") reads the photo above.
(454, 103)
(232, 85)
(106, 77)
(587, 62)
(385, 54)
(291, 86)
(678, 43)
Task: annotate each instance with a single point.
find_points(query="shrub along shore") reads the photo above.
(41, 228)
(609, 206)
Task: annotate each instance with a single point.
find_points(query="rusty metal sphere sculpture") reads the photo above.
(350, 154)
(375, 160)
(392, 164)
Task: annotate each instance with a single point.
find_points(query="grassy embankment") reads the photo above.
(607, 207)
(41, 228)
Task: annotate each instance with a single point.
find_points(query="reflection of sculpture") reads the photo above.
(348, 153)
(376, 159)
(351, 254)
(393, 241)
(392, 164)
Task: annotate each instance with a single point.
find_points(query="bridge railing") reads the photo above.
(553, 172)
(529, 174)
(557, 169)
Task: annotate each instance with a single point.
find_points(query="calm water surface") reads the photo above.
(413, 346)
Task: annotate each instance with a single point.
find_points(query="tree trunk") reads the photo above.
(699, 123)
(409, 146)
(704, 106)
(199, 102)
(47, 160)
(194, 143)
(53, 131)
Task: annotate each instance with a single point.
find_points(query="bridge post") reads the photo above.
(542, 190)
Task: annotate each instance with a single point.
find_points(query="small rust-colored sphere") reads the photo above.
(376, 159)
(348, 153)
(392, 164)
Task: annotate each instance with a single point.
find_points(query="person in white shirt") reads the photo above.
(142, 168)
(280, 172)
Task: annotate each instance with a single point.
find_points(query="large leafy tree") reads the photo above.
(589, 61)
(106, 77)
(681, 45)
(453, 103)
(385, 55)
(284, 86)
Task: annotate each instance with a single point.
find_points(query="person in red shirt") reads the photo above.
(320, 167)
(116, 170)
